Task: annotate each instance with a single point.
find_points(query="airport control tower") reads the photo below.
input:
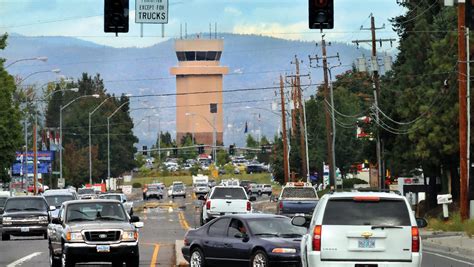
(198, 71)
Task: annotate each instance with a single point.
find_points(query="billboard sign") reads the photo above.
(42, 156)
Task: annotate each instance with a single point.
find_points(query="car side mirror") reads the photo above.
(244, 237)
(138, 224)
(124, 200)
(252, 198)
(134, 219)
(298, 221)
(56, 220)
(421, 222)
(52, 208)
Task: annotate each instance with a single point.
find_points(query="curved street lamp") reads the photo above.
(44, 59)
(38, 72)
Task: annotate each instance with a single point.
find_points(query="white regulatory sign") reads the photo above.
(151, 11)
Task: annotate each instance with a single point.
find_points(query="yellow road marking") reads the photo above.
(155, 255)
(183, 221)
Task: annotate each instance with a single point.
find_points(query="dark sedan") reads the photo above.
(243, 240)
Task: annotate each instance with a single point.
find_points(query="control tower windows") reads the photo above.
(199, 55)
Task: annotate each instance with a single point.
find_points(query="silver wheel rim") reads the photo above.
(50, 258)
(259, 260)
(196, 259)
(63, 259)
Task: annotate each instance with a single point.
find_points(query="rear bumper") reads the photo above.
(81, 252)
(314, 259)
(33, 230)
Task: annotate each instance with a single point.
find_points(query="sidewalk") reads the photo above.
(457, 243)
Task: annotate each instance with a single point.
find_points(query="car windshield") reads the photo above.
(201, 185)
(95, 211)
(298, 192)
(229, 193)
(178, 187)
(384, 212)
(84, 191)
(153, 188)
(275, 226)
(58, 200)
(25, 204)
(113, 197)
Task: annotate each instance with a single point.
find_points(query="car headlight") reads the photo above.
(130, 236)
(74, 236)
(43, 219)
(284, 250)
(7, 220)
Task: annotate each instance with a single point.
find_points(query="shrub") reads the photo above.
(137, 185)
(349, 183)
(469, 228)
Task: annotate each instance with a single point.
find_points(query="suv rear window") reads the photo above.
(229, 193)
(298, 192)
(384, 212)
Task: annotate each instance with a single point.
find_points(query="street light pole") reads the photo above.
(90, 137)
(108, 136)
(61, 108)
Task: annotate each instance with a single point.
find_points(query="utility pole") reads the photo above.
(462, 60)
(35, 158)
(298, 102)
(376, 89)
(283, 124)
(330, 131)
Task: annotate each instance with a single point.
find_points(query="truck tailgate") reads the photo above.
(294, 206)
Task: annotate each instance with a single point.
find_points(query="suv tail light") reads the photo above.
(415, 239)
(281, 205)
(249, 206)
(208, 205)
(317, 238)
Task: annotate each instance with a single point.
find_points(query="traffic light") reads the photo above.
(321, 14)
(116, 16)
(469, 15)
(175, 151)
(263, 149)
(145, 151)
(231, 149)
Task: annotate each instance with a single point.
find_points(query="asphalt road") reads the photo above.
(163, 225)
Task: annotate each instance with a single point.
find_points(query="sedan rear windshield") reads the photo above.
(299, 192)
(25, 204)
(113, 197)
(2, 201)
(229, 193)
(83, 191)
(349, 212)
(57, 201)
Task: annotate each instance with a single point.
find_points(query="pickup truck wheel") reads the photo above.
(259, 259)
(197, 258)
(131, 211)
(259, 193)
(66, 261)
(133, 262)
(5, 237)
(53, 260)
(45, 236)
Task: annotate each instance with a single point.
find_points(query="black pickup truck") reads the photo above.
(296, 199)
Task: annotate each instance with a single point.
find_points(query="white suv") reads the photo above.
(362, 229)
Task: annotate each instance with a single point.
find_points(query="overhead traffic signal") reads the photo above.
(321, 14)
(231, 149)
(116, 15)
(469, 15)
(145, 151)
(200, 150)
(175, 151)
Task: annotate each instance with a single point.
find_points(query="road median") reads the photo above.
(180, 261)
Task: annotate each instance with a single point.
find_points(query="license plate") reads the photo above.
(25, 229)
(366, 243)
(103, 248)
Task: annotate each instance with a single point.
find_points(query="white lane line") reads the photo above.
(449, 258)
(22, 260)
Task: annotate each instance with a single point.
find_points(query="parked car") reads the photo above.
(224, 200)
(244, 240)
(362, 229)
(25, 216)
(260, 189)
(297, 198)
(257, 168)
(95, 230)
(178, 190)
(122, 198)
(153, 191)
(245, 184)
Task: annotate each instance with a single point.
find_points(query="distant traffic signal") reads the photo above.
(145, 151)
(469, 15)
(231, 149)
(175, 151)
(200, 150)
(321, 14)
(116, 16)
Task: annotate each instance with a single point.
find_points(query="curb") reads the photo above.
(468, 253)
(180, 261)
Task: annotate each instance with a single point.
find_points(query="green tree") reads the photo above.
(222, 157)
(10, 128)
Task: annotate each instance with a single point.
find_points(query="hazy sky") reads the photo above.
(283, 19)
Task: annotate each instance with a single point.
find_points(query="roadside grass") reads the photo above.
(260, 178)
(454, 224)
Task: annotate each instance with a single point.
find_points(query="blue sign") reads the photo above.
(42, 168)
(42, 156)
